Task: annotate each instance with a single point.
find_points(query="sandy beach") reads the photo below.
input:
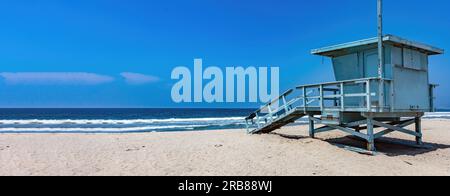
(227, 152)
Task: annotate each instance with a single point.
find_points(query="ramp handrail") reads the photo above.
(288, 92)
(272, 114)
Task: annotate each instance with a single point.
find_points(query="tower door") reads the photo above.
(371, 71)
(371, 64)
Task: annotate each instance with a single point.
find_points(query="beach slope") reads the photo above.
(228, 152)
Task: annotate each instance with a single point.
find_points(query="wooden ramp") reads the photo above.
(270, 118)
(277, 123)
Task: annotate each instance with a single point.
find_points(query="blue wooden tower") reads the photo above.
(389, 91)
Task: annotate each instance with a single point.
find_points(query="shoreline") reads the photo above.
(230, 152)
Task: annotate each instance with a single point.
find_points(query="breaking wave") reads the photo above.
(118, 126)
(109, 130)
(118, 122)
(437, 115)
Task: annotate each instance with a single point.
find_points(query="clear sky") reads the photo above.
(115, 53)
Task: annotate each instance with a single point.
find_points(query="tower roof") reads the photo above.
(341, 49)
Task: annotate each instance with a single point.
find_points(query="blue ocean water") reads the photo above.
(119, 120)
(129, 120)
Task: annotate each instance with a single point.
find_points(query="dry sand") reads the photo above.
(230, 152)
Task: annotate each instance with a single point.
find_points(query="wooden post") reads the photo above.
(419, 130)
(270, 112)
(370, 139)
(286, 107)
(369, 96)
(305, 101)
(311, 127)
(342, 97)
(392, 101)
(321, 98)
(335, 99)
(258, 124)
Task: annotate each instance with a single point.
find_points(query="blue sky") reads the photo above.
(114, 53)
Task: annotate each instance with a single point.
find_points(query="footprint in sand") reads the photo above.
(4, 148)
(135, 149)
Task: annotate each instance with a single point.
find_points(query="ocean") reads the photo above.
(128, 120)
(119, 120)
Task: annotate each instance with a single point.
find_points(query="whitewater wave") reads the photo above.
(151, 121)
(127, 129)
(445, 115)
(118, 122)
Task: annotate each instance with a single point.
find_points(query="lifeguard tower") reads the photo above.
(391, 91)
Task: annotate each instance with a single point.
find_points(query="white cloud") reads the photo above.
(138, 79)
(55, 78)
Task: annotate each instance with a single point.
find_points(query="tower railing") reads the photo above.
(359, 95)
